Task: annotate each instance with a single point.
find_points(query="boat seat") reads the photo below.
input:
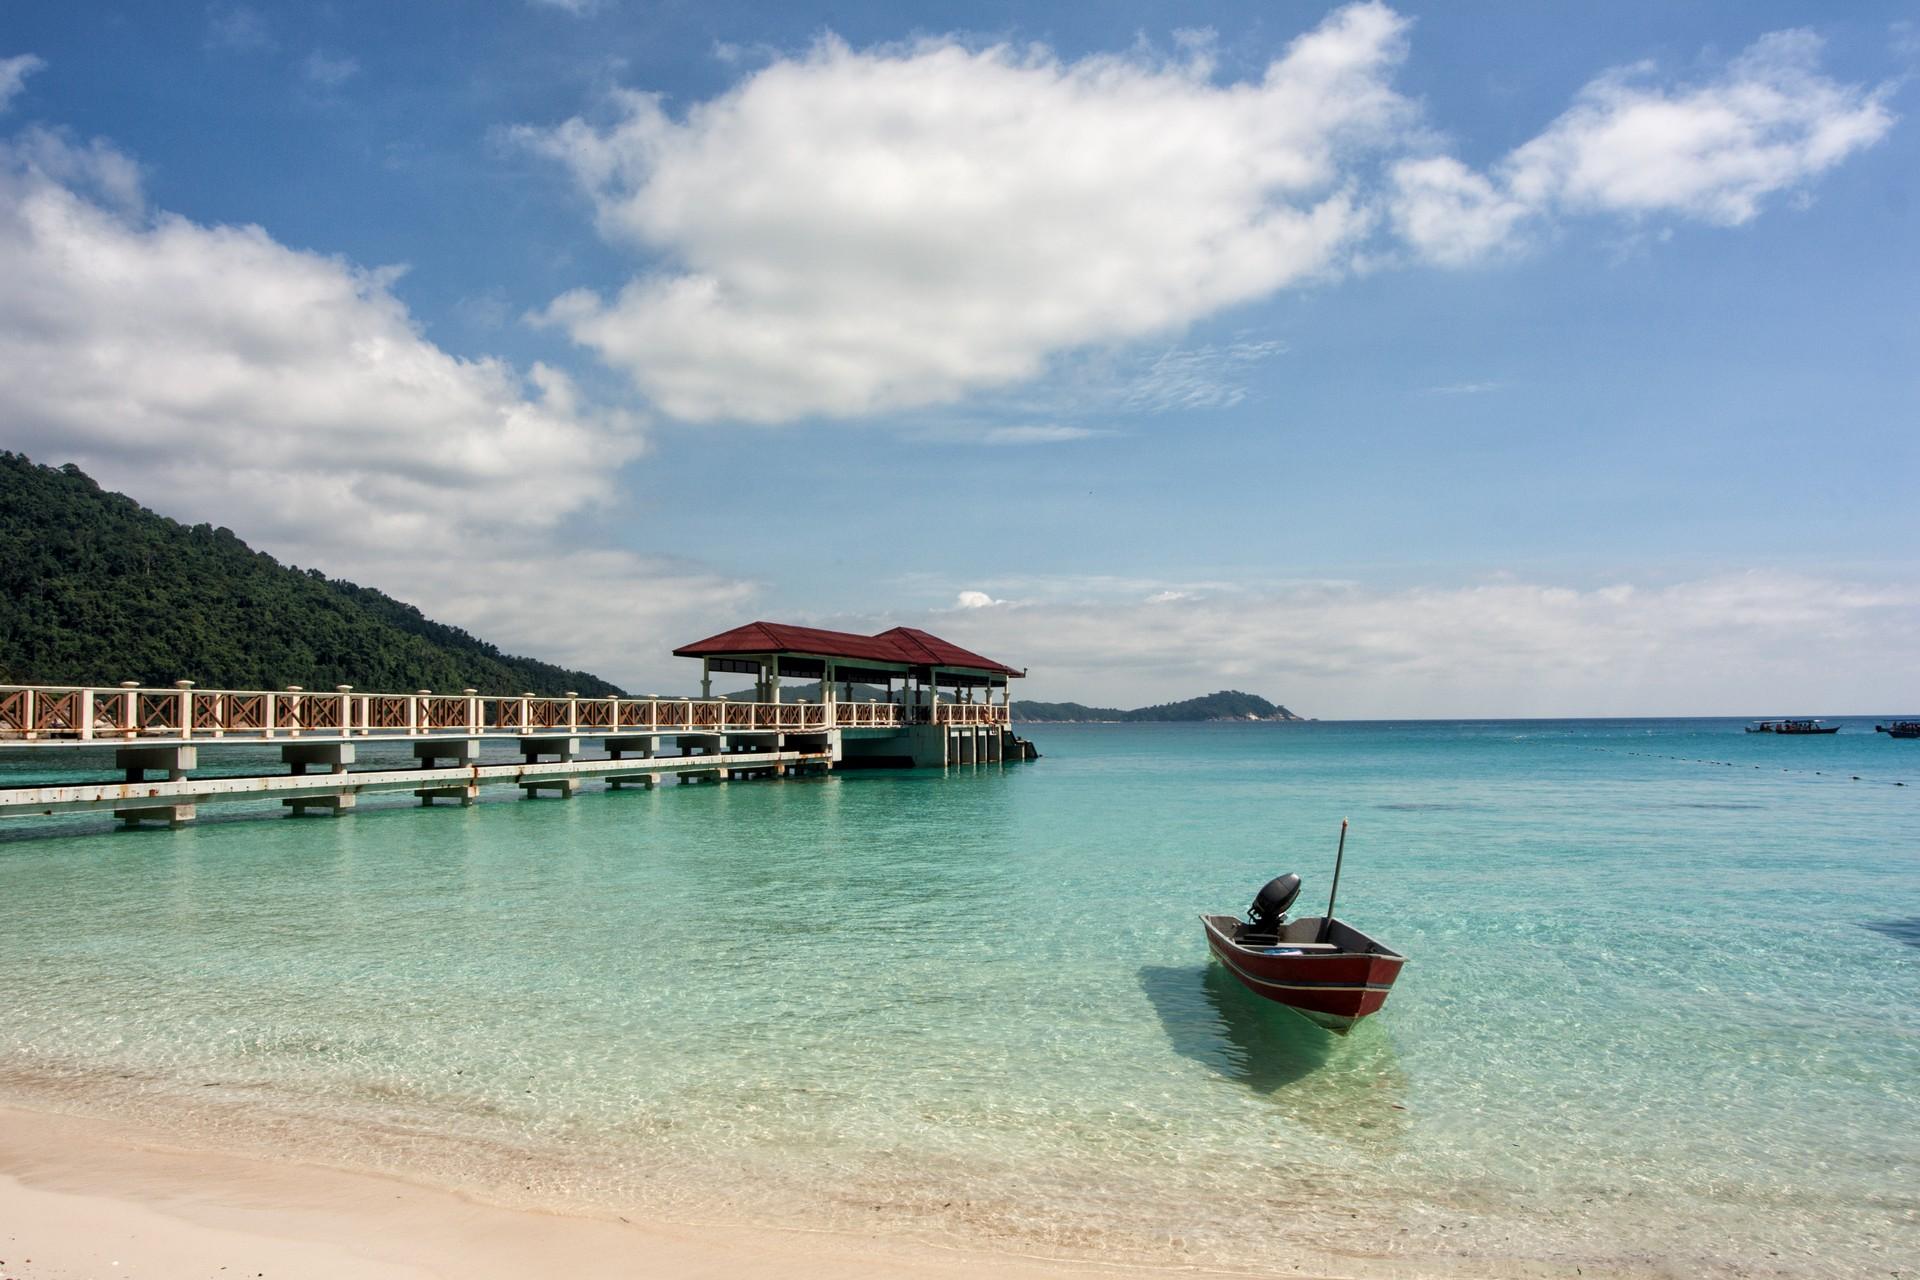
(1268, 940)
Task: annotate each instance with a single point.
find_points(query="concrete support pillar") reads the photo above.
(332, 806)
(174, 815)
(564, 788)
(644, 748)
(558, 748)
(454, 751)
(333, 756)
(695, 745)
(465, 794)
(175, 762)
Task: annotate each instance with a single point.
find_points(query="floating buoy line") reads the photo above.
(1731, 764)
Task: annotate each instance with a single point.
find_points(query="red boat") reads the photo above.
(1318, 966)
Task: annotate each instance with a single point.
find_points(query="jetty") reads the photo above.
(927, 703)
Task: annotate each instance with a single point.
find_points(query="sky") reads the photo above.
(1410, 360)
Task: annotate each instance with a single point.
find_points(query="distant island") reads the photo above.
(96, 589)
(1228, 704)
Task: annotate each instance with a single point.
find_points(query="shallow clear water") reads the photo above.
(1661, 1011)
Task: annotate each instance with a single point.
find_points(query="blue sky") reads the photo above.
(1409, 360)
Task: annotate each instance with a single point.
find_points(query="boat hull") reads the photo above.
(1335, 989)
(1792, 728)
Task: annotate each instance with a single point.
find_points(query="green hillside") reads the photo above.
(97, 589)
(1228, 704)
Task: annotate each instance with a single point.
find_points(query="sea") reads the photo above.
(1661, 1014)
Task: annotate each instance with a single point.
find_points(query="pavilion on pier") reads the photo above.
(944, 702)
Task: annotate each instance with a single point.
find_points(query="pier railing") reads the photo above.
(51, 713)
(964, 714)
(56, 713)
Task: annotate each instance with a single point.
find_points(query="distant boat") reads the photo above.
(1791, 727)
(1319, 966)
(1900, 729)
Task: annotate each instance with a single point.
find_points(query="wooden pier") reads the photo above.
(318, 734)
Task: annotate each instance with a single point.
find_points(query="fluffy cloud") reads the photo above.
(13, 75)
(1712, 152)
(1713, 646)
(856, 231)
(327, 71)
(1044, 433)
(1451, 214)
(220, 375)
(237, 29)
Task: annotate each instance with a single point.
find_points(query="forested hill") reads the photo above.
(1228, 704)
(96, 589)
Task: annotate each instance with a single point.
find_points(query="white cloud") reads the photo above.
(1463, 389)
(237, 29)
(975, 600)
(13, 75)
(1713, 153)
(1204, 377)
(1733, 644)
(327, 71)
(847, 232)
(1051, 433)
(219, 375)
(1450, 213)
(851, 231)
(93, 170)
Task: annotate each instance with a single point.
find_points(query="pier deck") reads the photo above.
(160, 730)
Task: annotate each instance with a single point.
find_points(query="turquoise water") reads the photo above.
(1661, 1012)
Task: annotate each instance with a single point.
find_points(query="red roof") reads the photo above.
(902, 644)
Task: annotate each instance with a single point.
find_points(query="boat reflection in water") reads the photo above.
(1351, 1089)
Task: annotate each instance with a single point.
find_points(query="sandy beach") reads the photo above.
(82, 1198)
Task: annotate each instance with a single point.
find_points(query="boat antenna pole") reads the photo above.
(1339, 856)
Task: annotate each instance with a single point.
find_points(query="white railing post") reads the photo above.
(86, 715)
(132, 707)
(573, 710)
(186, 706)
(414, 708)
(346, 709)
(473, 710)
(26, 716)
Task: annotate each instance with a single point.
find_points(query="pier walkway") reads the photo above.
(319, 733)
(160, 731)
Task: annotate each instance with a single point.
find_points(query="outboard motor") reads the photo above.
(1269, 910)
